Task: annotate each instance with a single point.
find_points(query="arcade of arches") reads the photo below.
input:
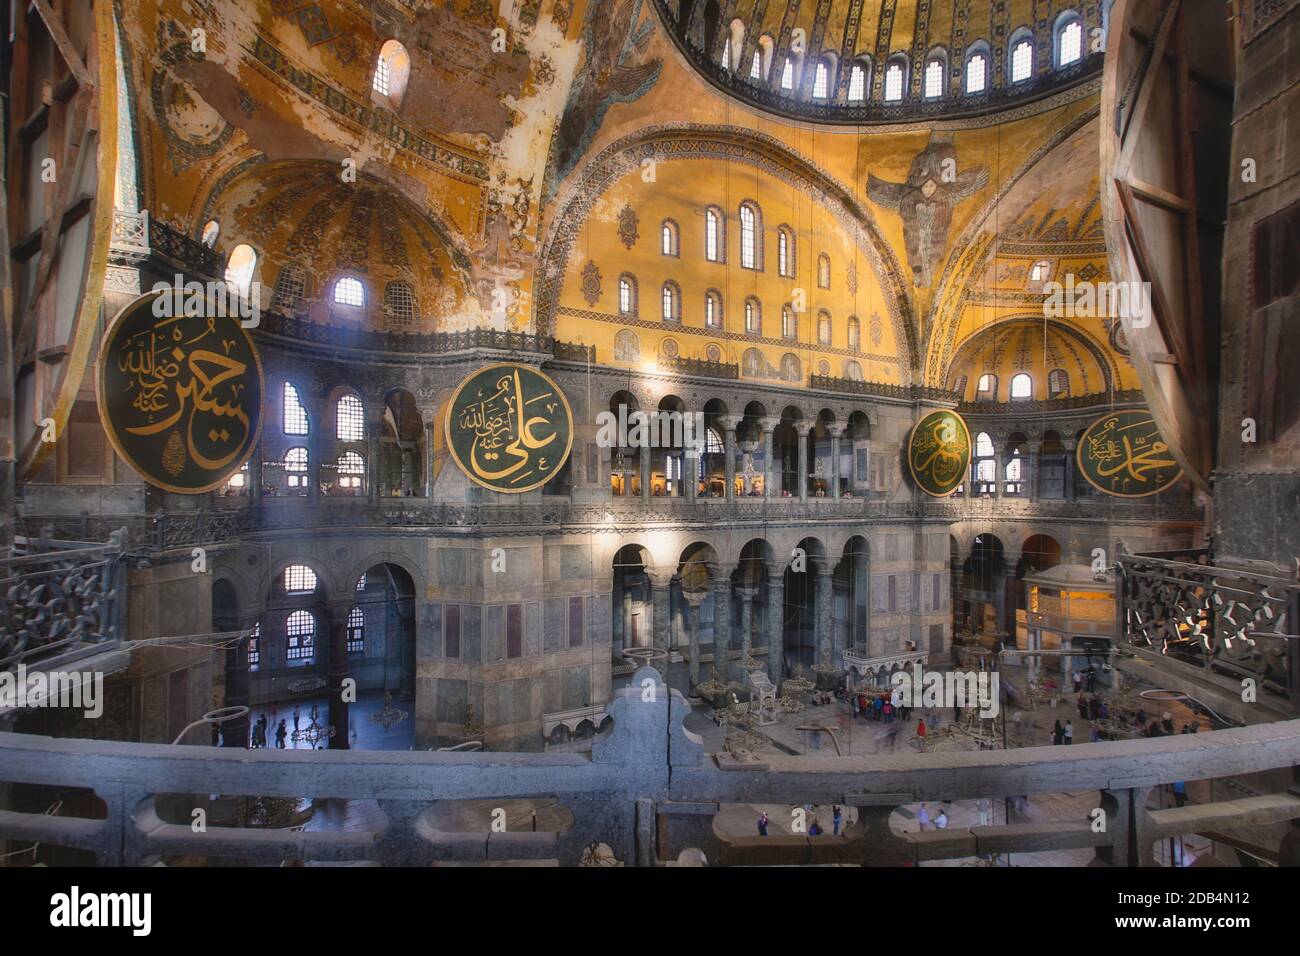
(667, 210)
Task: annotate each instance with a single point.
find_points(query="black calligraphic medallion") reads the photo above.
(938, 453)
(180, 395)
(509, 427)
(1122, 454)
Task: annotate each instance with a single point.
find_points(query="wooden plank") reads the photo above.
(1161, 197)
(60, 38)
(1133, 128)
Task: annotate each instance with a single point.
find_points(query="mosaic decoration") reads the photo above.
(193, 129)
(627, 226)
(180, 396)
(591, 283)
(509, 428)
(925, 202)
(939, 453)
(1122, 454)
(877, 330)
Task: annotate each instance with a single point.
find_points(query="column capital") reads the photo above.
(825, 570)
(720, 572)
(660, 578)
(769, 424)
(694, 598)
(747, 591)
(803, 428)
(729, 422)
(836, 429)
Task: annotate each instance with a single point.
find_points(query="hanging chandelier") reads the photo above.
(387, 715)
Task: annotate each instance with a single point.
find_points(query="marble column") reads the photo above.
(339, 670)
(255, 475)
(645, 471)
(374, 430)
(747, 595)
(825, 643)
(691, 473)
(721, 581)
(999, 473)
(729, 423)
(1070, 466)
(769, 426)
(836, 431)
(803, 428)
(775, 623)
(694, 599)
(426, 454)
(1029, 472)
(660, 582)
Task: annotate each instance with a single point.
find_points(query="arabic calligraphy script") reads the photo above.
(938, 453)
(180, 395)
(1123, 454)
(510, 428)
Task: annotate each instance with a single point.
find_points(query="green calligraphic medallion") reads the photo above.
(938, 453)
(180, 395)
(509, 428)
(1122, 454)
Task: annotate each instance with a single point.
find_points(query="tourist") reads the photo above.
(1078, 680)
(888, 711)
(837, 818)
(762, 824)
(923, 817)
(941, 821)
(280, 733)
(815, 829)
(920, 735)
(984, 808)
(1092, 679)
(878, 706)
(1180, 793)
(1069, 732)
(1058, 733)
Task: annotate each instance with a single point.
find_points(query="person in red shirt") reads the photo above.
(920, 732)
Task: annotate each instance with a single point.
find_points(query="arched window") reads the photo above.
(985, 465)
(713, 310)
(356, 631)
(789, 325)
(349, 291)
(987, 387)
(787, 74)
(751, 236)
(824, 327)
(392, 70)
(626, 294)
(1022, 59)
(672, 302)
(934, 79)
(821, 81)
(756, 66)
(668, 242)
(977, 72)
(894, 81)
(1022, 386)
(240, 267)
(399, 305)
(1069, 40)
(299, 579)
(726, 55)
(715, 235)
(295, 470)
(351, 469)
(210, 232)
(1014, 484)
(350, 420)
(1041, 271)
(295, 416)
(785, 262)
(961, 387)
(361, 582)
(290, 289)
(854, 331)
(823, 271)
(753, 317)
(857, 83)
(255, 647)
(1058, 383)
(627, 347)
(300, 630)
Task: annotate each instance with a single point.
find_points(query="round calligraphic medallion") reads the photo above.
(180, 391)
(509, 428)
(1122, 454)
(938, 453)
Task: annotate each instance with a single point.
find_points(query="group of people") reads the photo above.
(877, 707)
(815, 827)
(1063, 735)
(1081, 677)
(259, 733)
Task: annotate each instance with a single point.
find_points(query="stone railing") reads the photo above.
(908, 393)
(59, 597)
(647, 790)
(702, 367)
(1242, 619)
(1122, 398)
(870, 666)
